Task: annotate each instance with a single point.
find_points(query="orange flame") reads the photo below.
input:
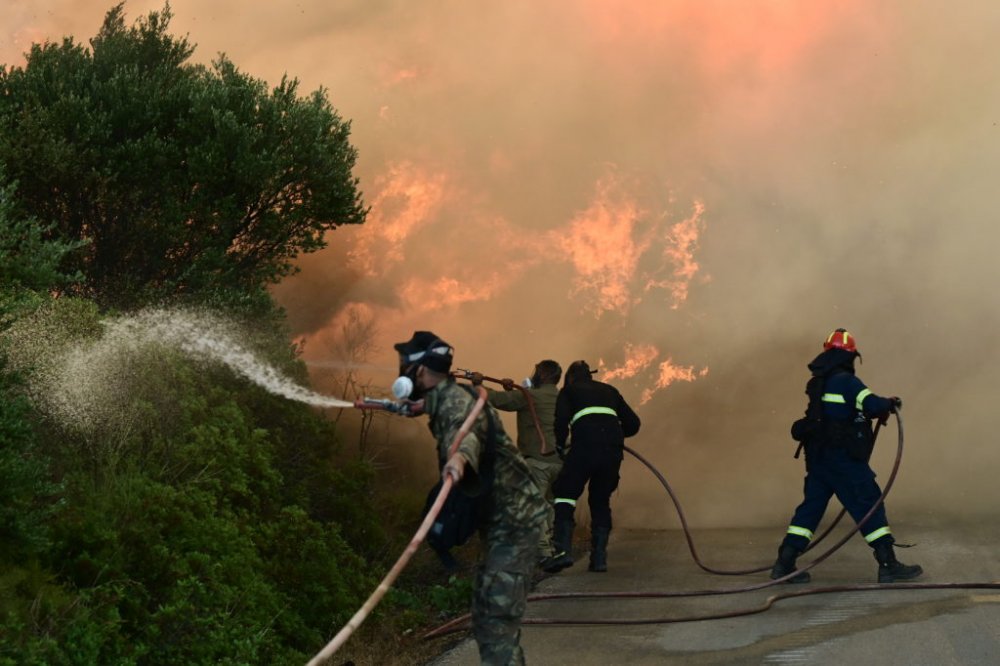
(406, 199)
(670, 373)
(600, 246)
(682, 242)
(637, 359)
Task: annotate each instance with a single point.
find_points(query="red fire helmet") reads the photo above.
(841, 339)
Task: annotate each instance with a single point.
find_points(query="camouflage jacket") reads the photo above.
(514, 494)
(544, 398)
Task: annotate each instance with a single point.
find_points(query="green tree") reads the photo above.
(27, 259)
(185, 179)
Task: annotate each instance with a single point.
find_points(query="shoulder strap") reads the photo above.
(487, 460)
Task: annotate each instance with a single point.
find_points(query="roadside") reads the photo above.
(940, 627)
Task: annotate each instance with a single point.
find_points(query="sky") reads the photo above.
(688, 194)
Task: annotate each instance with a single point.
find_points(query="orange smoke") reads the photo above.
(722, 34)
(420, 295)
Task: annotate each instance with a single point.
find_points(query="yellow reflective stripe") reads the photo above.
(800, 531)
(878, 534)
(834, 397)
(565, 500)
(861, 398)
(592, 410)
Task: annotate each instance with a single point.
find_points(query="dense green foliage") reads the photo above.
(208, 525)
(183, 179)
(204, 521)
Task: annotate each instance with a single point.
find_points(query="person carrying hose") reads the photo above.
(837, 436)
(600, 420)
(535, 441)
(488, 465)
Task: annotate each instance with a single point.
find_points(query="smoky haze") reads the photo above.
(690, 194)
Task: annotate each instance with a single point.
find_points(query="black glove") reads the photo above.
(895, 404)
(561, 450)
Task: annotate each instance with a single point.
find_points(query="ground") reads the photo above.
(885, 627)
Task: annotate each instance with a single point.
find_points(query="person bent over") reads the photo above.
(486, 464)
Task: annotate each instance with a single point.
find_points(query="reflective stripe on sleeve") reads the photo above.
(592, 410)
(800, 531)
(565, 500)
(834, 397)
(861, 399)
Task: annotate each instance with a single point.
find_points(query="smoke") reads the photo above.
(711, 185)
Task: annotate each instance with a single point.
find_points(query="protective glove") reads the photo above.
(507, 384)
(476, 378)
(895, 404)
(561, 451)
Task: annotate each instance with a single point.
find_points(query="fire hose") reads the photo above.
(687, 531)
(458, 624)
(470, 375)
(404, 559)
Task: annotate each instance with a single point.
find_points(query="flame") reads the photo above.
(681, 244)
(637, 359)
(407, 198)
(670, 373)
(599, 243)
(421, 295)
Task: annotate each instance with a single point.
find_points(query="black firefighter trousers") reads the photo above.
(597, 463)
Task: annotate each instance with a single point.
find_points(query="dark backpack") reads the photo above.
(810, 428)
(462, 514)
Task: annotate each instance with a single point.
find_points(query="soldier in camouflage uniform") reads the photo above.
(538, 452)
(516, 508)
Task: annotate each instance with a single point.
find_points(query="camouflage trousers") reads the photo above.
(501, 592)
(544, 471)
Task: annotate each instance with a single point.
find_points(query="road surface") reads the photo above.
(898, 627)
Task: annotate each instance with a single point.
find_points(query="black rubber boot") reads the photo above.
(890, 569)
(562, 545)
(785, 564)
(599, 548)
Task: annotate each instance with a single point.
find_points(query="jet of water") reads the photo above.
(82, 381)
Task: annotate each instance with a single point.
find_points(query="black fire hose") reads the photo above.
(687, 531)
(458, 623)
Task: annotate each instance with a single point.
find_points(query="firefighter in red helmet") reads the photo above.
(837, 436)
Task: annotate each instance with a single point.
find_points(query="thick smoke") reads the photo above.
(531, 167)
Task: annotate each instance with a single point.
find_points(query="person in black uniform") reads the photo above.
(600, 420)
(838, 438)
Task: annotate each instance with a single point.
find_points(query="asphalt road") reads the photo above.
(884, 627)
